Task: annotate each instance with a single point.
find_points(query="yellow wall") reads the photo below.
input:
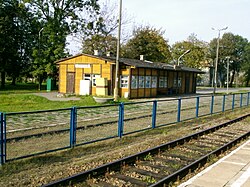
(103, 68)
(62, 78)
(97, 66)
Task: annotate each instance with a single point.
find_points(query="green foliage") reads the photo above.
(102, 36)
(197, 56)
(30, 102)
(57, 20)
(232, 46)
(149, 42)
(101, 43)
(15, 39)
(246, 64)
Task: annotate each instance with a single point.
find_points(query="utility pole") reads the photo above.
(217, 57)
(118, 55)
(39, 57)
(228, 57)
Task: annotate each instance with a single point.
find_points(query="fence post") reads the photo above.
(212, 105)
(241, 99)
(223, 103)
(121, 120)
(154, 109)
(73, 124)
(2, 139)
(197, 106)
(233, 101)
(179, 110)
(248, 97)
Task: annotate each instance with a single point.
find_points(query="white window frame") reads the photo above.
(124, 81)
(94, 76)
(147, 81)
(134, 82)
(141, 82)
(161, 81)
(179, 82)
(165, 82)
(154, 82)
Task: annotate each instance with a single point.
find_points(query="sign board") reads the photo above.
(82, 65)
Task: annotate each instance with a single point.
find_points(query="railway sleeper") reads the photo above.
(212, 143)
(196, 149)
(180, 157)
(102, 184)
(225, 134)
(156, 176)
(156, 165)
(133, 181)
(208, 147)
(214, 140)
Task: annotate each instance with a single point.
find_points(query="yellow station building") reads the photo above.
(95, 75)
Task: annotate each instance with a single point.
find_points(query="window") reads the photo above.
(179, 82)
(87, 77)
(148, 82)
(134, 82)
(165, 82)
(94, 76)
(141, 81)
(161, 82)
(124, 81)
(154, 82)
(175, 83)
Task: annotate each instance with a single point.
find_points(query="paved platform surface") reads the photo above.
(53, 96)
(232, 170)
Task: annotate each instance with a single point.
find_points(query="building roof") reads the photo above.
(140, 63)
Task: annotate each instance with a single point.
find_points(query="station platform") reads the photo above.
(233, 170)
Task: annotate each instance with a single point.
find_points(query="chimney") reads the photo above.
(96, 53)
(108, 54)
(142, 57)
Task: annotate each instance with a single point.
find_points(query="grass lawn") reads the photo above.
(19, 98)
(21, 88)
(30, 102)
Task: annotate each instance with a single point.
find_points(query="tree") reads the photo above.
(101, 43)
(232, 46)
(197, 55)
(15, 39)
(149, 42)
(246, 64)
(7, 36)
(57, 20)
(103, 35)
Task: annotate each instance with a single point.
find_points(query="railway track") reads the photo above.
(165, 164)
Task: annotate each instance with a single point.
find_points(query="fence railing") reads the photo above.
(26, 134)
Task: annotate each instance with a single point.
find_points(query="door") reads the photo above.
(187, 83)
(70, 83)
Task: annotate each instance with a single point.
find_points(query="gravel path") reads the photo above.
(55, 96)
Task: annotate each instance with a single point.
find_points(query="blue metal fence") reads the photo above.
(25, 134)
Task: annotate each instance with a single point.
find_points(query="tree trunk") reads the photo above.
(232, 79)
(13, 81)
(40, 80)
(2, 79)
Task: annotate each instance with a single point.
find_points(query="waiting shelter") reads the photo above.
(85, 74)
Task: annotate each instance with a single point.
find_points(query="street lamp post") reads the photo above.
(117, 54)
(228, 57)
(39, 57)
(186, 52)
(217, 57)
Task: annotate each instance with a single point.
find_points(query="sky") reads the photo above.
(180, 18)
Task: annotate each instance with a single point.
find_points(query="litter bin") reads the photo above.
(50, 84)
